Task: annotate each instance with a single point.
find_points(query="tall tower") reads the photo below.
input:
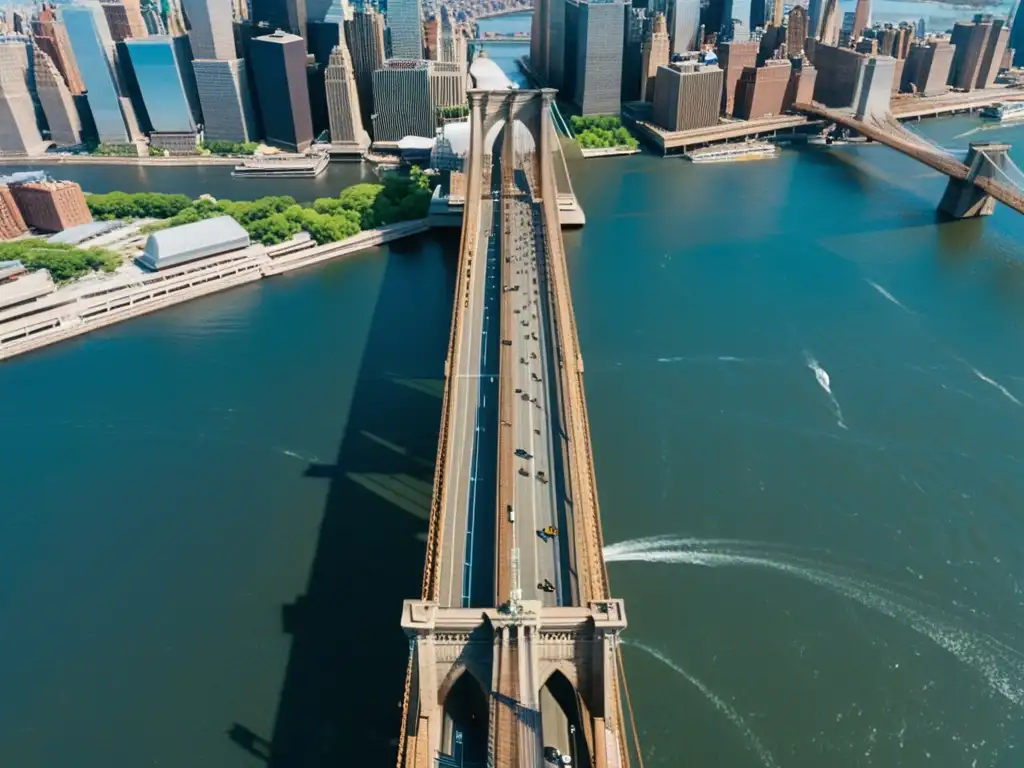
(56, 101)
(405, 20)
(347, 132)
(279, 67)
(19, 134)
(211, 36)
(796, 30)
(655, 54)
(599, 30)
(540, 41)
(830, 22)
(861, 18)
(1015, 22)
(365, 37)
(94, 51)
(684, 21)
(49, 34)
(777, 13)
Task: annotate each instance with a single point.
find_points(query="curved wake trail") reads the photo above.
(825, 383)
(734, 717)
(1000, 665)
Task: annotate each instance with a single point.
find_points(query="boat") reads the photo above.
(284, 165)
(729, 153)
(1004, 112)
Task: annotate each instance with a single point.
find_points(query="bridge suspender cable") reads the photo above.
(629, 708)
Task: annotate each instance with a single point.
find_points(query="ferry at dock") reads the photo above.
(731, 153)
(1004, 113)
(284, 166)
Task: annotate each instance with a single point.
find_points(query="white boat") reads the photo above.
(284, 165)
(1004, 112)
(730, 153)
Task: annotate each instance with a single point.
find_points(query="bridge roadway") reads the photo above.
(469, 539)
(482, 620)
(894, 136)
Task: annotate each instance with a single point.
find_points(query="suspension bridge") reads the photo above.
(985, 176)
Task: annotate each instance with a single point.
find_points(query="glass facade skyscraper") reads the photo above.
(93, 49)
(405, 22)
(170, 101)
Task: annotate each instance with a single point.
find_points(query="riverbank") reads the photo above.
(184, 161)
(124, 297)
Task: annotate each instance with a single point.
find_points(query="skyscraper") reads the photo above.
(979, 50)
(633, 54)
(221, 78)
(738, 22)
(57, 102)
(211, 35)
(655, 55)
(556, 43)
(796, 30)
(124, 20)
(684, 22)
(599, 31)
(365, 37)
(814, 13)
(687, 96)
(94, 51)
(286, 15)
(279, 66)
(447, 84)
(49, 34)
(347, 132)
(224, 96)
(922, 28)
(405, 22)
(19, 134)
(540, 40)
(778, 16)
(1015, 23)
(733, 58)
(830, 22)
(402, 102)
(861, 18)
(167, 84)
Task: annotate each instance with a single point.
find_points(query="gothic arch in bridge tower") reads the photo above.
(457, 671)
(526, 115)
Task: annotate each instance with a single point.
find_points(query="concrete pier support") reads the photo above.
(963, 198)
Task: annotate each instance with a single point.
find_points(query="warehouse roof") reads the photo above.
(193, 241)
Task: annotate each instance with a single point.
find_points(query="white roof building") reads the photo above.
(189, 242)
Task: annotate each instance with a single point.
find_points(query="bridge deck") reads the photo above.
(892, 135)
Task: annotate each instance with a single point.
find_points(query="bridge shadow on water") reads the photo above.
(341, 697)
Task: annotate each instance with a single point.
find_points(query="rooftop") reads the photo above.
(196, 240)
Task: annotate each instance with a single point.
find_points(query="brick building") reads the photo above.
(11, 222)
(51, 206)
(761, 90)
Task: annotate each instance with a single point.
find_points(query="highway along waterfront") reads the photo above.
(798, 378)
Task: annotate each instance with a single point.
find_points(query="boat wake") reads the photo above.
(995, 384)
(823, 380)
(1001, 666)
(733, 716)
(888, 295)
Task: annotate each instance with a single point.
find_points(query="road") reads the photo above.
(535, 493)
(469, 521)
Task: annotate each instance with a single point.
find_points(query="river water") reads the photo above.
(799, 378)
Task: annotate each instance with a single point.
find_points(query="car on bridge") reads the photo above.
(523, 454)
